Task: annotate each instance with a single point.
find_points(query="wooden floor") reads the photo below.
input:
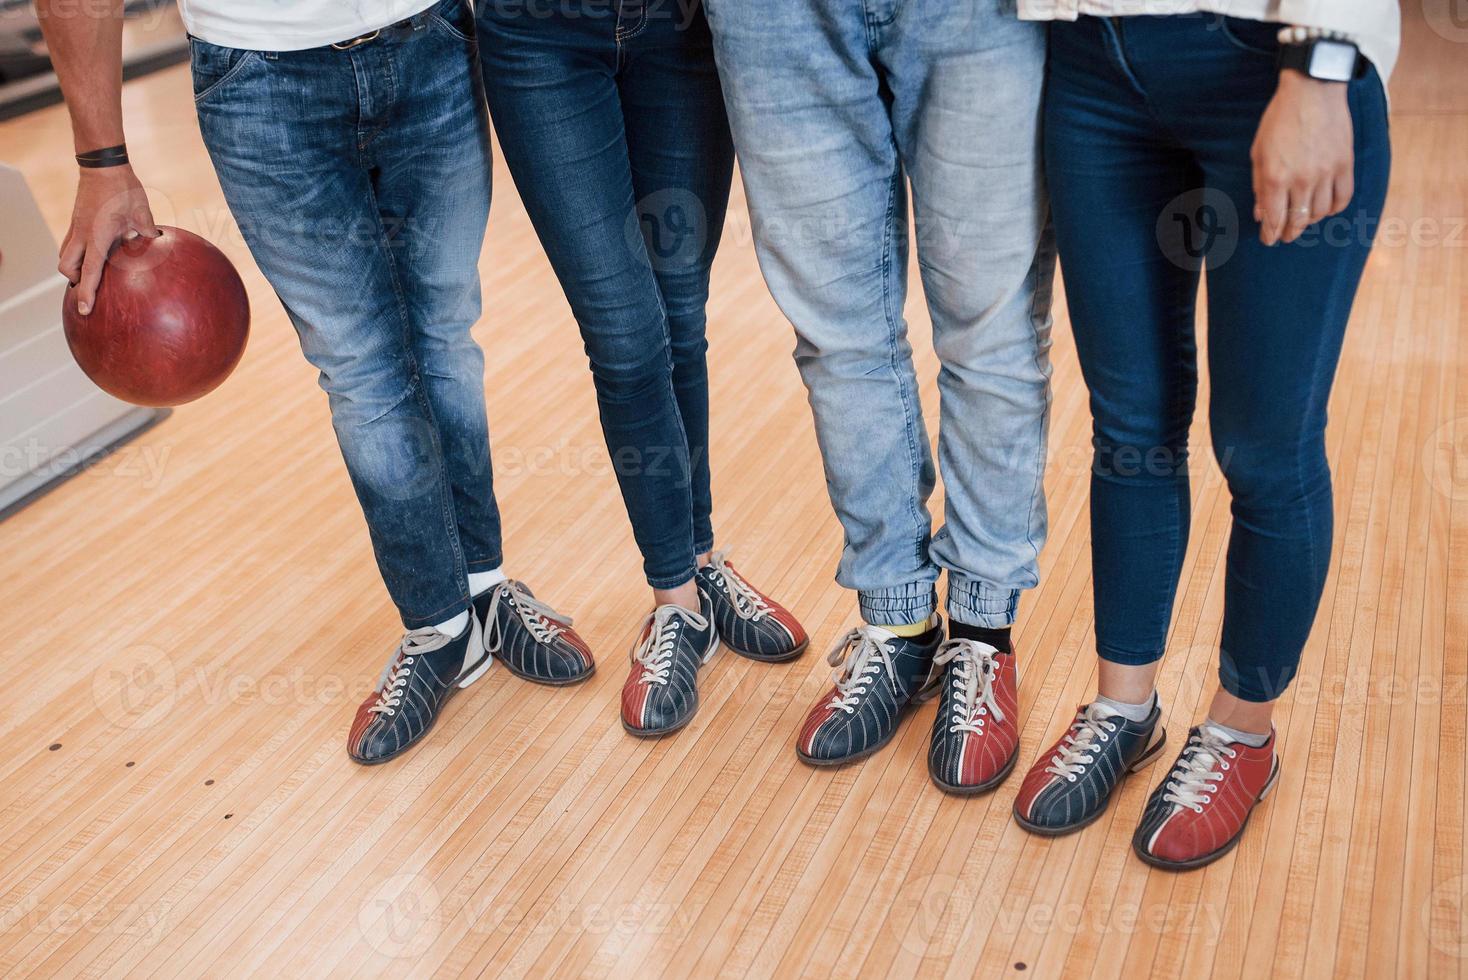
(192, 622)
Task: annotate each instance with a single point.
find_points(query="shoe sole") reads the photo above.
(987, 786)
(1198, 862)
(548, 681)
(683, 722)
(766, 659)
(463, 681)
(1143, 761)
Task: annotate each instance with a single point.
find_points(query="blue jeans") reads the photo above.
(360, 179)
(1148, 128)
(837, 106)
(612, 123)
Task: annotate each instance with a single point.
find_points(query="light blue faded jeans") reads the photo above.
(838, 107)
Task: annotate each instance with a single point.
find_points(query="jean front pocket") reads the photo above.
(455, 17)
(213, 67)
(1254, 36)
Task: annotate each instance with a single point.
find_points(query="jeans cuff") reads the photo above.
(977, 604)
(704, 546)
(673, 581)
(484, 564)
(448, 612)
(1258, 685)
(900, 605)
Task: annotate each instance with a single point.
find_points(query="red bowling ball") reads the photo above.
(169, 324)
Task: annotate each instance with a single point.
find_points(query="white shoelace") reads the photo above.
(543, 622)
(1093, 726)
(655, 650)
(748, 602)
(975, 671)
(393, 682)
(1199, 770)
(858, 657)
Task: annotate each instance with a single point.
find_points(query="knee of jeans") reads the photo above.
(1139, 454)
(392, 451)
(632, 375)
(450, 354)
(1272, 473)
(688, 343)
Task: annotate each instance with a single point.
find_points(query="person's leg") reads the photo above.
(967, 82)
(1276, 320)
(1277, 317)
(809, 110)
(1131, 286)
(306, 150)
(682, 160)
(283, 132)
(552, 90)
(431, 179)
(682, 163)
(809, 106)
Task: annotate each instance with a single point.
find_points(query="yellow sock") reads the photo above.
(908, 629)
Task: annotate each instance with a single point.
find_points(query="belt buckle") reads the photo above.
(361, 39)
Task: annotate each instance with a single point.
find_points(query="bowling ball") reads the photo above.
(169, 324)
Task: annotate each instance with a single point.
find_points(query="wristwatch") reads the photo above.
(1325, 58)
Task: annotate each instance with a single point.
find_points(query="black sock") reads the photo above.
(996, 638)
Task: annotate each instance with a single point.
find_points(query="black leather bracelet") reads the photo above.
(108, 156)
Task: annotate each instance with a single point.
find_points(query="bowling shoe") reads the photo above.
(427, 669)
(976, 731)
(661, 692)
(750, 623)
(1201, 809)
(1072, 782)
(879, 677)
(530, 638)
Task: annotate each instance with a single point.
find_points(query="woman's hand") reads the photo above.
(111, 206)
(1304, 162)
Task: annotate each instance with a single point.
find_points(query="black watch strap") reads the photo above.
(107, 156)
(1310, 59)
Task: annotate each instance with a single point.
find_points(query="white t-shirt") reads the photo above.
(291, 25)
(1375, 25)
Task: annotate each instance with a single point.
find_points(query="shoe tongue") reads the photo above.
(1098, 710)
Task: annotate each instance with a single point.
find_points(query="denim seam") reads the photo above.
(893, 316)
(1041, 365)
(446, 500)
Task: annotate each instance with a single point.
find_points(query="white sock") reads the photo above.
(480, 581)
(1129, 711)
(1251, 739)
(455, 626)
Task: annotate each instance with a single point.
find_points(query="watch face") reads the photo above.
(1333, 61)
